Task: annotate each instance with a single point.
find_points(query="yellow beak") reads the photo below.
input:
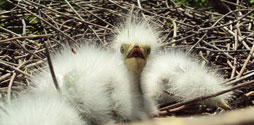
(136, 51)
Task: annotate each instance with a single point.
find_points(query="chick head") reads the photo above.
(135, 56)
(136, 39)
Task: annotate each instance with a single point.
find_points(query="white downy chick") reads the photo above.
(137, 40)
(136, 30)
(39, 109)
(97, 83)
(176, 76)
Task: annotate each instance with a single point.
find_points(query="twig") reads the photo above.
(51, 68)
(9, 87)
(4, 76)
(68, 15)
(94, 15)
(45, 21)
(246, 62)
(24, 27)
(226, 54)
(16, 69)
(96, 34)
(74, 10)
(197, 43)
(207, 96)
(11, 82)
(209, 28)
(26, 37)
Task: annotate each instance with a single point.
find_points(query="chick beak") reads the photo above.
(223, 105)
(136, 52)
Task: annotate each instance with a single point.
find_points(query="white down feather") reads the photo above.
(39, 109)
(176, 76)
(97, 83)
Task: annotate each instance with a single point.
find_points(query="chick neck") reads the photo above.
(135, 66)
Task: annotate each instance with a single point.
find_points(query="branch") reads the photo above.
(207, 96)
(51, 68)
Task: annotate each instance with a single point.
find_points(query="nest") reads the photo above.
(222, 38)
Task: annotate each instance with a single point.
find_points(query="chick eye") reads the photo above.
(148, 51)
(122, 49)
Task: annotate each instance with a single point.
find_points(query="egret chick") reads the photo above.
(39, 109)
(137, 40)
(97, 83)
(175, 76)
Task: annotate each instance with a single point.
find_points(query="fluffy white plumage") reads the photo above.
(182, 77)
(97, 83)
(137, 30)
(39, 109)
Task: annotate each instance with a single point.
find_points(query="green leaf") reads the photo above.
(181, 2)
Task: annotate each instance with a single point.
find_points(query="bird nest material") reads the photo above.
(224, 41)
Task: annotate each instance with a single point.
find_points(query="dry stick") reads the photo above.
(11, 32)
(11, 82)
(228, 2)
(44, 21)
(246, 62)
(219, 51)
(22, 47)
(213, 46)
(239, 38)
(70, 16)
(245, 37)
(104, 37)
(235, 48)
(94, 15)
(84, 20)
(181, 39)
(116, 3)
(76, 14)
(9, 87)
(24, 27)
(197, 43)
(131, 13)
(214, 27)
(51, 68)
(3, 77)
(207, 96)
(51, 19)
(26, 37)
(233, 68)
(73, 9)
(140, 7)
(206, 32)
(249, 93)
(139, 4)
(240, 79)
(109, 10)
(230, 65)
(202, 56)
(144, 16)
(16, 69)
(95, 34)
(169, 18)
